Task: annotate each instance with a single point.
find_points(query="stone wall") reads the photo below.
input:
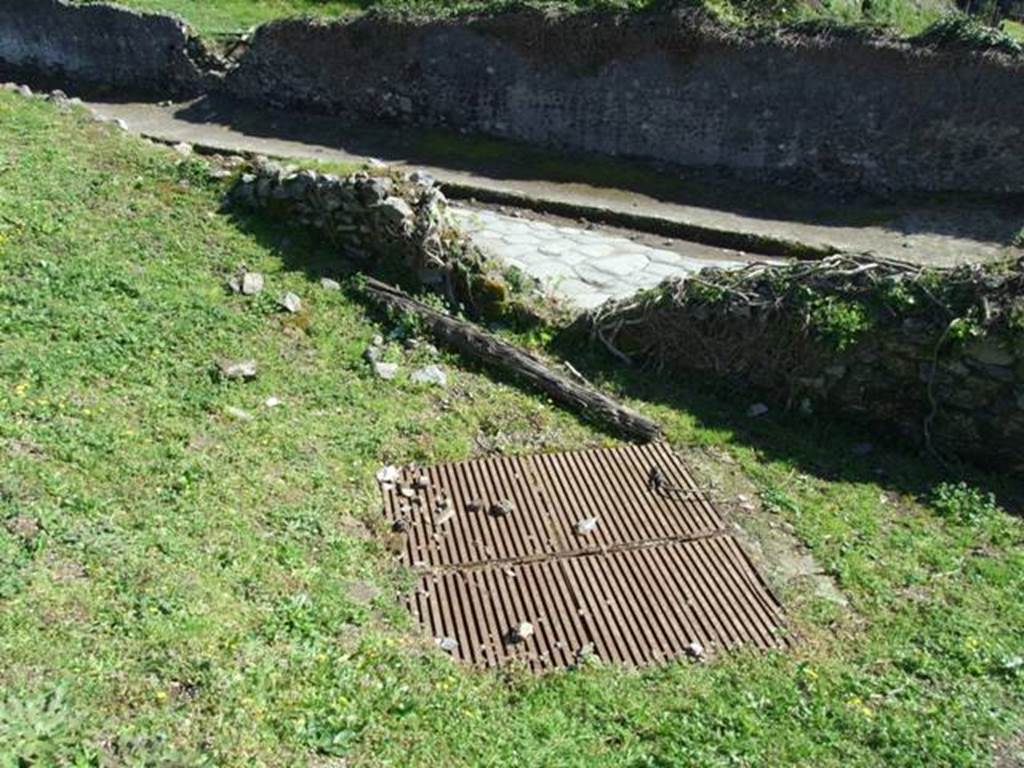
(101, 45)
(850, 111)
(847, 111)
(388, 222)
(937, 357)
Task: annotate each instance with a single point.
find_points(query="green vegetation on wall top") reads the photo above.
(905, 17)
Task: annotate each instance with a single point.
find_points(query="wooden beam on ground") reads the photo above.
(472, 341)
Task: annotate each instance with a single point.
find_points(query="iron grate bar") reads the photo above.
(658, 575)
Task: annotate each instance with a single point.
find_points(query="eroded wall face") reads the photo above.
(99, 45)
(874, 115)
(858, 113)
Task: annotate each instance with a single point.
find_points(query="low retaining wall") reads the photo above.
(101, 45)
(392, 222)
(847, 111)
(934, 356)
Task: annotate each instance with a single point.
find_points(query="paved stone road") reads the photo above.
(585, 266)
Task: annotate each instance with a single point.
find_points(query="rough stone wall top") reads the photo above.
(862, 112)
(937, 356)
(100, 44)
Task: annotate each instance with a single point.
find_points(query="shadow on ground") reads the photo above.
(824, 446)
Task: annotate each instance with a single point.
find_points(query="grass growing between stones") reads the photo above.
(179, 586)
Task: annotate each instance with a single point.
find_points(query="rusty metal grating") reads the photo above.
(498, 543)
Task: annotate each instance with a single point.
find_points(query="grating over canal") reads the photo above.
(549, 558)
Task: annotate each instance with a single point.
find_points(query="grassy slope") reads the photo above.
(187, 599)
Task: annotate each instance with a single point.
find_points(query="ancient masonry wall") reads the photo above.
(867, 113)
(102, 46)
(832, 111)
(937, 357)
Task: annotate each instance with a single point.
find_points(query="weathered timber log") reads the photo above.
(474, 342)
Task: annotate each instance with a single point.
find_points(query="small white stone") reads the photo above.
(447, 644)
(443, 514)
(695, 650)
(523, 631)
(251, 283)
(329, 285)
(290, 302)
(587, 525)
(388, 474)
(385, 371)
(272, 402)
(432, 374)
(238, 369)
(183, 148)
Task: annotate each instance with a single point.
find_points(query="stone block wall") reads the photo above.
(100, 45)
(391, 221)
(855, 111)
(843, 112)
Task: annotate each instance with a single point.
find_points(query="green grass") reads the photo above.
(175, 585)
(229, 16)
(220, 16)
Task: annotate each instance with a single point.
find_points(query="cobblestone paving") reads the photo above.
(586, 266)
